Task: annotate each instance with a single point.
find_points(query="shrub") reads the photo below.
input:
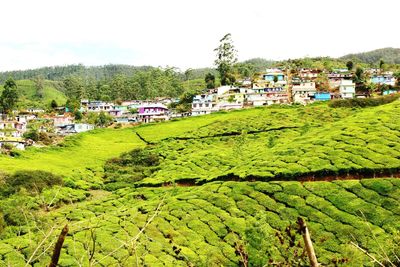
(131, 167)
(363, 102)
(35, 181)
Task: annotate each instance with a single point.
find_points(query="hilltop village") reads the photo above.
(303, 86)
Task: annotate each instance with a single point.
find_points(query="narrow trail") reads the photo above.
(235, 133)
(311, 177)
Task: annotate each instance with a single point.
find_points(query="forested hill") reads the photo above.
(56, 73)
(389, 55)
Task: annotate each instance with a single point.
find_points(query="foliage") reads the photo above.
(131, 167)
(32, 134)
(103, 119)
(389, 55)
(203, 225)
(28, 94)
(349, 65)
(78, 115)
(226, 58)
(364, 102)
(53, 104)
(212, 176)
(34, 181)
(210, 80)
(9, 96)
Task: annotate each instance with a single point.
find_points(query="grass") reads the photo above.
(78, 153)
(28, 98)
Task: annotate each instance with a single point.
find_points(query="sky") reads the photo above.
(184, 33)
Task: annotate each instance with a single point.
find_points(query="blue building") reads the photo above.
(389, 92)
(270, 77)
(322, 96)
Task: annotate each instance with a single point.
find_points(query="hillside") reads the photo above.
(389, 55)
(200, 191)
(29, 98)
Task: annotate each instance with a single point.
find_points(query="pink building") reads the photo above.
(153, 112)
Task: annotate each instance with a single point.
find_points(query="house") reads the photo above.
(308, 74)
(204, 104)
(386, 79)
(322, 96)
(153, 112)
(98, 106)
(335, 78)
(60, 120)
(229, 97)
(166, 100)
(35, 110)
(267, 96)
(115, 112)
(18, 143)
(303, 92)
(347, 89)
(74, 128)
(12, 128)
(12, 131)
(390, 92)
(275, 74)
(126, 119)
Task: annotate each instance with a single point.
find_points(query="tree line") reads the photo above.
(143, 84)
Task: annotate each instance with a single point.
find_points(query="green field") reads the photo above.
(194, 191)
(79, 157)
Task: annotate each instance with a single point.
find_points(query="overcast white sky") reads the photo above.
(183, 33)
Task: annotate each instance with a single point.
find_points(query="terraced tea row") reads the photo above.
(364, 144)
(203, 225)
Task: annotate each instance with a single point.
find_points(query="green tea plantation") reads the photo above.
(218, 190)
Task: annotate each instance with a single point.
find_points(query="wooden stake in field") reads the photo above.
(307, 242)
(57, 248)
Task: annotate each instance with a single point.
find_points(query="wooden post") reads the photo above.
(57, 248)
(307, 242)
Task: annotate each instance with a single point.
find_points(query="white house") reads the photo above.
(267, 96)
(347, 89)
(303, 92)
(96, 106)
(384, 79)
(35, 110)
(204, 104)
(74, 128)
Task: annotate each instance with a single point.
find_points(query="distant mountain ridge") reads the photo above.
(389, 55)
(57, 73)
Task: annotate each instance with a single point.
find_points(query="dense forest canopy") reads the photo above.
(389, 55)
(57, 73)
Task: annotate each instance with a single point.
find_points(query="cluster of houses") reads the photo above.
(13, 127)
(132, 111)
(277, 86)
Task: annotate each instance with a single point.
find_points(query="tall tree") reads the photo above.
(53, 104)
(210, 80)
(349, 65)
(74, 87)
(9, 96)
(188, 74)
(381, 66)
(39, 86)
(226, 58)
